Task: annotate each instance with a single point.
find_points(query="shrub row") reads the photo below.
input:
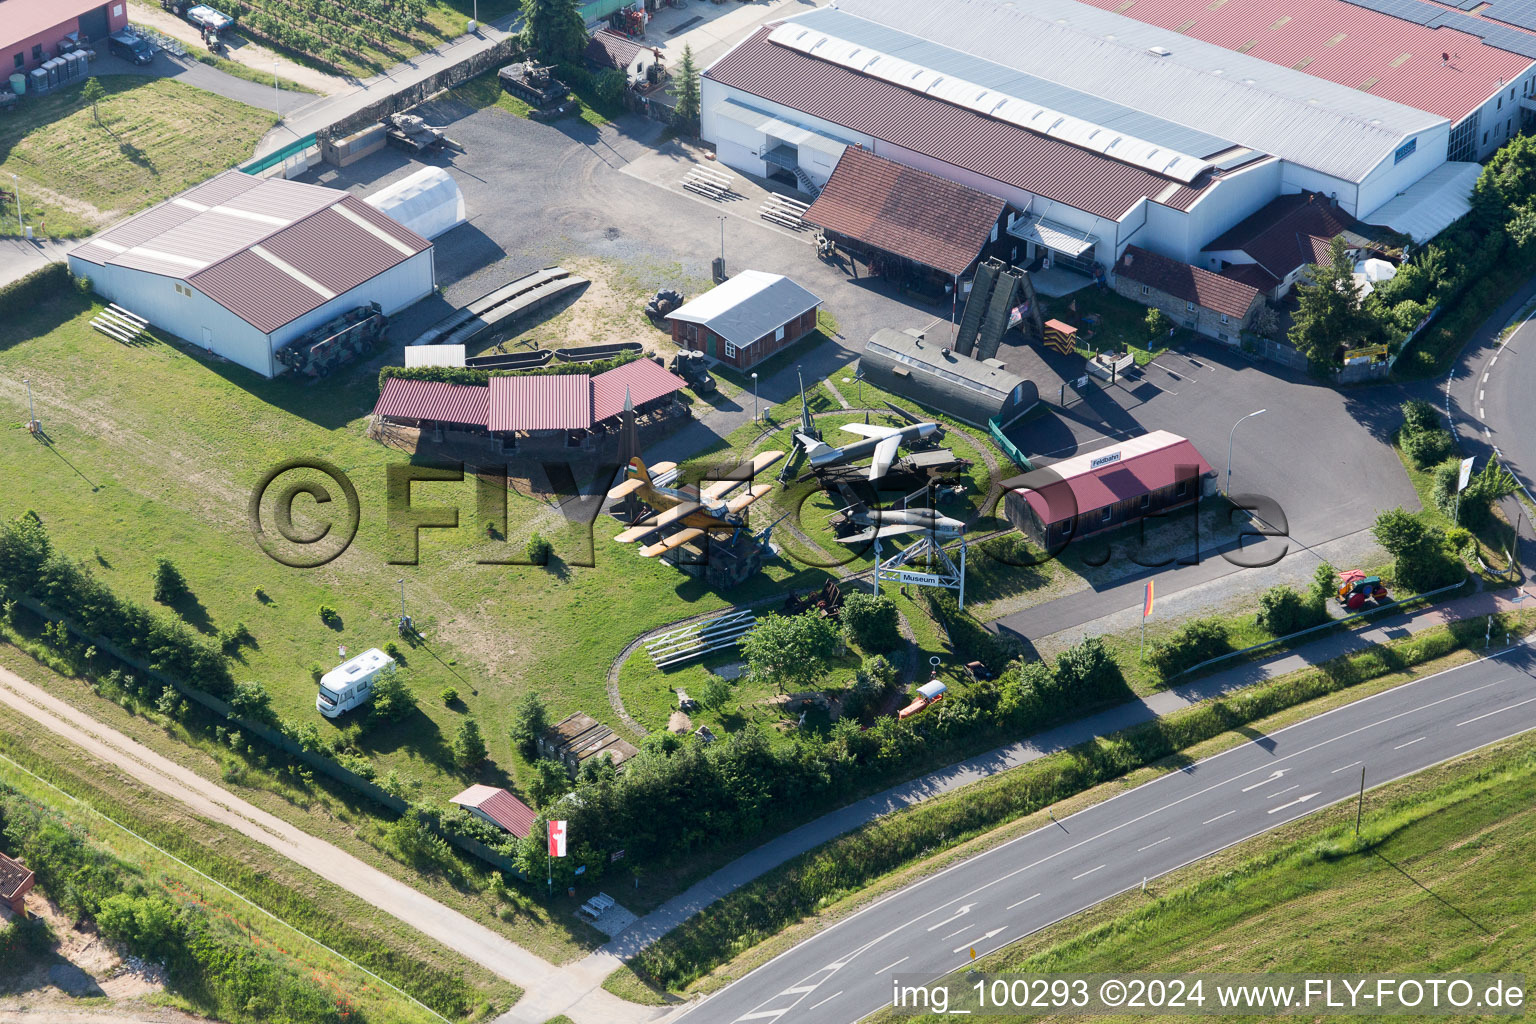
(848, 864)
(27, 293)
(471, 376)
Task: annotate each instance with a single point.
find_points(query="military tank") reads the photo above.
(335, 343)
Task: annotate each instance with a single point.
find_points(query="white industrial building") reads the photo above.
(1162, 123)
(241, 265)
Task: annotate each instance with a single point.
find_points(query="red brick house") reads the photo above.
(746, 319)
(1215, 305)
(31, 30)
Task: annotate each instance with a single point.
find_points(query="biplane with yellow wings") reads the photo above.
(688, 513)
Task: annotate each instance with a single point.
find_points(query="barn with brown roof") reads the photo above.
(1216, 306)
(240, 266)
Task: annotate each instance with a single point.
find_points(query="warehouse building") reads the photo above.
(1235, 104)
(241, 266)
(971, 390)
(34, 31)
(1108, 487)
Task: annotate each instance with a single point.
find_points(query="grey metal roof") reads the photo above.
(1332, 128)
(748, 306)
(1014, 82)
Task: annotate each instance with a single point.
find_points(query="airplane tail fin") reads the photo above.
(813, 447)
(636, 471)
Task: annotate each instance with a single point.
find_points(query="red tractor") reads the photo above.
(1355, 588)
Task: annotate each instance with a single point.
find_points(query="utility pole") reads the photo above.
(754, 396)
(16, 187)
(277, 97)
(1360, 806)
(721, 219)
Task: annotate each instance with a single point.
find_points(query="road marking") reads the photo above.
(959, 914)
(1218, 817)
(1150, 845)
(1085, 874)
(1410, 743)
(763, 1015)
(829, 998)
(1490, 714)
(1283, 791)
(1485, 375)
(1021, 902)
(1293, 803)
(957, 931)
(1351, 764)
(1486, 433)
(1482, 413)
(1479, 394)
(889, 966)
(1494, 359)
(799, 989)
(971, 945)
(1267, 781)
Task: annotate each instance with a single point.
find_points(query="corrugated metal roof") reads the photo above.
(434, 400)
(256, 291)
(500, 806)
(1431, 204)
(1074, 487)
(1312, 121)
(926, 218)
(1371, 49)
(556, 401)
(1012, 81)
(328, 248)
(955, 135)
(748, 306)
(643, 380)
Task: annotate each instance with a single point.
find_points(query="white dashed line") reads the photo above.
(1480, 394)
(1150, 845)
(1490, 714)
(889, 966)
(1085, 874)
(1021, 902)
(1485, 377)
(1351, 764)
(1410, 743)
(1493, 360)
(1218, 817)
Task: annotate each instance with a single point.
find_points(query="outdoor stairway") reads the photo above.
(116, 322)
(976, 305)
(711, 184)
(998, 308)
(784, 211)
(807, 186)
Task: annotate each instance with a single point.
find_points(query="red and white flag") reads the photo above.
(557, 839)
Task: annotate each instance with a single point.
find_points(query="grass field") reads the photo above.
(1437, 883)
(156, 138)
(306, 910)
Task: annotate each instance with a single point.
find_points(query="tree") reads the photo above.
(1087, 670)
(170, 584)
(1158, 324)
(24, 550)
(1283, 610)
(685, 86)
(1265, 322)
(1401, 533)
(1420, 415)
(1507, 185)
(529, 720)
(549, 782)
(1329, 314)
(252, 702)
(468, 746)
(609, 87)
(791, 651)
(716, 693)
(538, 550)
(870, 621)
(1419, 560)
(92, 93)
(553, 29)
(393, 699)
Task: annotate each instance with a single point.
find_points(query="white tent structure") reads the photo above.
(428, 202)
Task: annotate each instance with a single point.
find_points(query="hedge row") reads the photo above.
(26, 294)
(851, 863)
(469, 375)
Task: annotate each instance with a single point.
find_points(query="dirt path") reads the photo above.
(241, 50)
(545, 982)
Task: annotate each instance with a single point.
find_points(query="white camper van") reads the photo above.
(350, 684)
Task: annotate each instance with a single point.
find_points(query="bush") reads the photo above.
(253, 703)
(329, 616)
(1195, 642)
(1420, 415)
(1283, 611)
(529, 720)
(1087, 672)
(449, 696)
(234, 638)
(468, 746)
(32, 292)
(549, 782)
(539, 549)
(870, 622)
(1158, 325)
(170, 585)
(716, 693)
(393, 699)
(1425, 448)
(609, 87)
(474, 377)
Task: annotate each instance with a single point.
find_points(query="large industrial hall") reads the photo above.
(1374, 107)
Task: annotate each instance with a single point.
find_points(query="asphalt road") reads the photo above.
(997, 897)
(1495, 395)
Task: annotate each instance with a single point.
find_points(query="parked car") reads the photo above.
(130, 46)
(206, 18)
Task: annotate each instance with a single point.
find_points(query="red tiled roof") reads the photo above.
(644, 380)
(608, 49)
(1152, 461)
(1252, 274)
(955, 135)
(1288, 232)
(541, 402)
(433, 400)
(926, 218)
(1192, 284)
(500, 806)
(15, 878)
(1353, 46)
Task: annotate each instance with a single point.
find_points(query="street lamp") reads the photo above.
(721, 219)
(16, 188)
(1256, 412)
(754, 396)
(32, 415)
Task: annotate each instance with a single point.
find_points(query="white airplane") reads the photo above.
(894, 522)
(880, 442)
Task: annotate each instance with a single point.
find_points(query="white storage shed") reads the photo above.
(428, 202)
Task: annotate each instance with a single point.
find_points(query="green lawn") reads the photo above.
(1437, 883)
(1122, 323)
(156, 138)
(486, 91)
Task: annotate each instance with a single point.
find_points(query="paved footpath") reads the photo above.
(829, 826)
